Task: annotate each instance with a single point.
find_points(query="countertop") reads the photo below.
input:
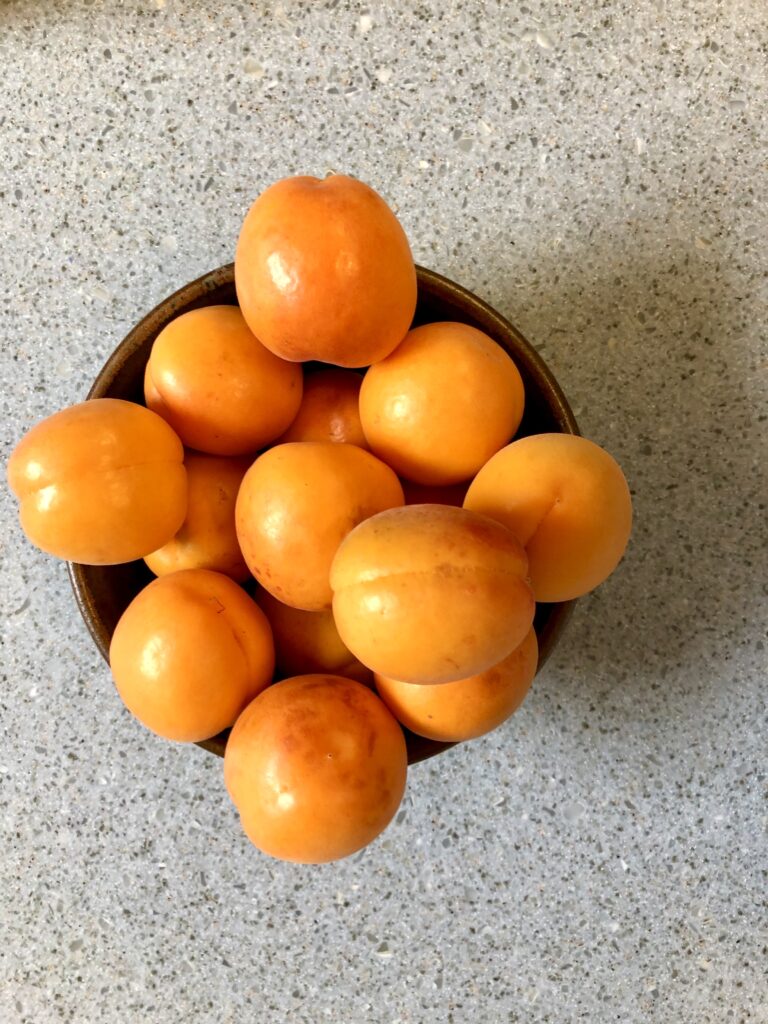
(596, 171)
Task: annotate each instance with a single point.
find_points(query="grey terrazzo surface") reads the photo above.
(597, 171)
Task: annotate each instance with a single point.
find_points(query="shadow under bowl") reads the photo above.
(103, 592)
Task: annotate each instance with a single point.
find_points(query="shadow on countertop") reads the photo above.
(654, 355)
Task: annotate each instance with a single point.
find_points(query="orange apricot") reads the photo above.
(430, 593)
(567, 501)
(100, 483)
(296, 504)
(445, 400)
(221, 390)
(189, 653)
(316, 766)
(207, 538)
(307, 642)
(329, 409)
(323, 271)
(466, 708)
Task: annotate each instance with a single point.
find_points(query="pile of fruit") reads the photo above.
(398, 541)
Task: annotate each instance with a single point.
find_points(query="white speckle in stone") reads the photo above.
(572, 811)
(384, 75)
(3, 769)
(365, 23)
(96, 291)
(544, 40)
(624, 865)
(484, 127)
(252, 68)
(639, 146)
(169, 244)
(423, 164)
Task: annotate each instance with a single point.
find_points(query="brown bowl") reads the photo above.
(103, 592)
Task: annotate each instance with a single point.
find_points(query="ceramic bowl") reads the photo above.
(103, 592)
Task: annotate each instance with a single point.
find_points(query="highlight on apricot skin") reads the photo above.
(99, 483)
(296, 504)
(207, 538)
(316, 766)
(329, 410)
(440, 406)
(567, 500)
(189, 653)
(220, 389)
(430, 594)
(324, 271)
(467, 708)
(308, 642)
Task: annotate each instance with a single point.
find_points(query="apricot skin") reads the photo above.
(445, 400)
(308, 642)
(567, 501)
(430, 594)
(207, 538)
(101, 482)
(220, 389)
(189, 653)
(329, 410)
(296, 504)
(467, 708)
(316, 766)
(323, 271)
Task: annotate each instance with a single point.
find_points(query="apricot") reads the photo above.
(430, 593)
(445, 400)
(101, 482)
(207, 538)
(316, 766)
(329, 409)
(323, 271)
(296, 504)
(307, 642)
(419, 494)
(220, 389)
(467, 708)
(567, 501)
(189, 653)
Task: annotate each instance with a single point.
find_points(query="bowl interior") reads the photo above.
(103, 592)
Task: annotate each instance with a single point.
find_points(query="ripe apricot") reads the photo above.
(316, 766)
(207, 538)
(430, 593)
(220, 389)
(467, 708)
(101, 482)
(323, 271)
(329, 409)
(307, 642)
(445, 400)
(189, 652)
(296, 504)
(567, 501)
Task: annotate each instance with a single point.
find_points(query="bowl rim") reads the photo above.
(523, 353)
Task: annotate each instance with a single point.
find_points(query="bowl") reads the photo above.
(103, 592)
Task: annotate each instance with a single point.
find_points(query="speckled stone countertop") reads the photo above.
(597, 171)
